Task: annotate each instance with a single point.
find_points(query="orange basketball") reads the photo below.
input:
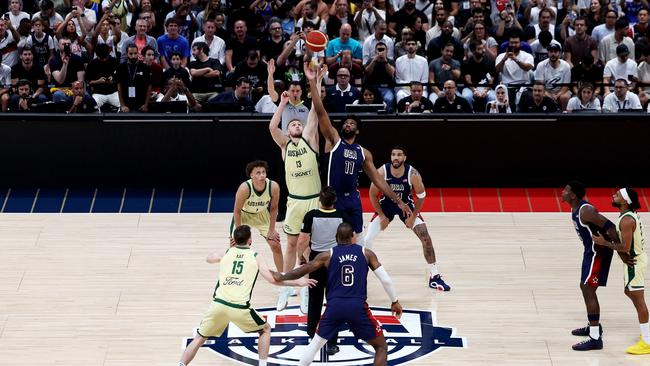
(316, 41)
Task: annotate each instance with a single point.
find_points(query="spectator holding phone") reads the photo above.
(66, 68)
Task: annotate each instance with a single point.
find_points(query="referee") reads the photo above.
(319, 230)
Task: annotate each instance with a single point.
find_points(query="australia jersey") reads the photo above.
(301, 170)
(400, 185)
(237, 277)
(257, 201)
(347, 273)
(344, 166)
(638, 239)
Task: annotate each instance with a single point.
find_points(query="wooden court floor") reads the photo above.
(124, 290)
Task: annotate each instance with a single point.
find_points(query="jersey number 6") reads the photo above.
(347, 275)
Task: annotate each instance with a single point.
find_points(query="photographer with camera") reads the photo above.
(66, 68)
(23, 101)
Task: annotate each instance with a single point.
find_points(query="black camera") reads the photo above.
(297, 30)
(66, 49)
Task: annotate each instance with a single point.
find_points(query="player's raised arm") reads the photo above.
(321, 260)
(384, 278)
(310, 132)
(266, 274)
(280, 138)
(326, 128)
(371, 171)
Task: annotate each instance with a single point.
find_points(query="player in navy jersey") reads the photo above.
(595, 260)
(404, 180)
(347, 270)
(345, 161)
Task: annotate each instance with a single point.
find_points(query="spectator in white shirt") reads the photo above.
(603, 30)
(586, 99)
(15, 12)
(643, 72)
(607, 46)
(621, 98)
(514, 66)
(621, 67)
(216, 44)
(47, 11)
(366, 17)
(556, 75)
(410, 67)
(379, 36)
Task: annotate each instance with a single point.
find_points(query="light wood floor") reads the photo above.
(123, 290)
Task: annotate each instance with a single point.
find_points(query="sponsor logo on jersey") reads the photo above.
(414, 336)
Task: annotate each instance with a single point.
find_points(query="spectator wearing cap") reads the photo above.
(238, 46)
(343, 93)
(99, 74)
(450, 102)
(605, 29)
(408, 68)
(23, 100)
(537, 101)
(141, 40)
(369, 45)
(607, 48)
(580, 44)
(28, 69)
(206, 73)
(237, 99)
(643, 74)
(556, 75)
(366, 17)
(539, 47)
(173, 42)
(344, 42)
(47, 12)
(216, 45)
(621, 98)
(620, 67)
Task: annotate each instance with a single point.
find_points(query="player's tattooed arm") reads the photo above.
(321, 260)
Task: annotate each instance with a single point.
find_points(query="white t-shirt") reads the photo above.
(611, 103)
(15, 19)
(512, 73)
(615, 69)
(576, 104)
(551, 76)
(644, 74)
(5, 76)
(217, 48)
(368, 19)
(411, 69)
(55, 20)
(265, 105)
(9, 58)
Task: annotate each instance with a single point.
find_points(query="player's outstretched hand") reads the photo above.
(627, 259)
(302, 282)
(396, 309)
(284, 97)
(405, 209)
(310, 72)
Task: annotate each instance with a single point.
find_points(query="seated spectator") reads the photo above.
(435, 47)
(100, 73)
(408, 68)
(366, 16)
(41, 43)
(81, 102)
(356, 71)
(235, 100)
(175, 91)
(479, 74)
(150, 59)
(405, 16)
(28, 70)
(23, 101)
(441, 70)
(621, 98)
(343, 93)
(416, 102)
(379, 36)
(643, 74)
(370, 95)
(254, 70)
(537, 101)
(586, 99)
(400, 47)
(544, 24)
(272, 47)
(176, 70)
(66, 68)
(47, 12)
(336, 46)
(212, 8)
(450, 102)
(133, 79)
(580, 45)
(620, 67)
(342, 14)
(9, 39)
(442, 16)
(479, 33)
(514, 67)
(206, 72)
(5, 86)
(237, 47)
(607, 47)
(500, 104)
(141, 40)
(216, 45)
(419, 33)
(540, 46)
(590, 72)
(380, 73)
(172, 42)
(556, 75)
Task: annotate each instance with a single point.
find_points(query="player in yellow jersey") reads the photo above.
(300, 155)
(240, 266)
(630, 231)
(256, 205)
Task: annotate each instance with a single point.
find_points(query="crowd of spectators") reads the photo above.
(403, 56)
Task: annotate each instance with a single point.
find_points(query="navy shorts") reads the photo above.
(350, 203)
(595, 266)
(353, 312)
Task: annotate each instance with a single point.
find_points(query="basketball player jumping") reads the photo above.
(256, 205)
(240, 266)
(346, 161)
(595, 261)
(300, 154)
(347, 271)
(404, 180)
(632, 243)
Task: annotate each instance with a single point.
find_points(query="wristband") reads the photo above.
(421, 195)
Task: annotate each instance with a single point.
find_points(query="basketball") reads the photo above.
(316, 41)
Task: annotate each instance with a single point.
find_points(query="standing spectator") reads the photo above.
(450, 102)
(404, 16)
(514, 66)
(356, 72)
(119, 9)
(643, 74)
(80, 102)
(8, 43)
(318, 7)
(187, 23)
(377, 37)
(500, 104)
(238, 46)
(441, 70)
(206, 73)
(309, 15)
(596, 14)
(141, 40)
(79, 45)
(41, 43)
(585, 100)
(133, 82)
(343, 42)
(605, 29)
(621, 67)
(632, 8)
(235, 100)
(579, 45)
(22, 101)
(216, 45)
(556, 75)
(66, 68)
(607, 47)
(380, 72)
(341, 15)
(172, 42)
(416, 102)
(47, 12)
(16, 13)
(29, 70)
(343, 93)
(408, 68)
(479, 74)
(272, 47)
(435, 47)
(366, 17)
(621, 98)
(538, 102)
(100, 74)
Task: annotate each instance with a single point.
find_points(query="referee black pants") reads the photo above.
(316, 296)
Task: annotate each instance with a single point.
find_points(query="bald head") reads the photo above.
(344, 233)
(345, 32)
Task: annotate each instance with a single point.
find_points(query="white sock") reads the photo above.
(373, 230)
(314, 346)
(594, 331)
(645, 332)
(262, 362)
(434, 270)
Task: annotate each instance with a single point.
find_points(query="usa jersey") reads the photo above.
(584, 231)
(400, 185)
(347, 273)
(344, 166)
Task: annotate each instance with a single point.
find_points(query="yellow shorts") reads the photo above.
(219, 315)
(259, 221)
(296, 210)
(634, 276)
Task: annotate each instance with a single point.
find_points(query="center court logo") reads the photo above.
(415, 335)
